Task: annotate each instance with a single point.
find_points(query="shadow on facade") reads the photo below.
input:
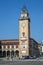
(0, 49)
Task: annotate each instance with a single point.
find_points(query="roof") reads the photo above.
(9, 41)
(24, 9)
(33, 40)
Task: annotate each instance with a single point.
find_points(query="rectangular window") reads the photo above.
(23, 34)
(16, 46)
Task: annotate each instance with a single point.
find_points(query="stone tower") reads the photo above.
(24, 33)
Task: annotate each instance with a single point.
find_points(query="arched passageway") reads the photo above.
(12, 53)
(0, 53)
(4, 53)
(0, 49)
(16, 53)
(8, 53)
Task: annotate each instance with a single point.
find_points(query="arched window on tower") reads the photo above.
(23, 34)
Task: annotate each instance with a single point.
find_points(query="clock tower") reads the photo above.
(24, 33)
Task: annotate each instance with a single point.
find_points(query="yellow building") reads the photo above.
(24, 32)
(19, 47)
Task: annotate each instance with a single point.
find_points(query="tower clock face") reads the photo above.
(23, 24)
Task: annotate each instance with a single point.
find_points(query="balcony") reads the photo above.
(23, 38)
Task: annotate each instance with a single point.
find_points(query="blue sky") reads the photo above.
(10, 13)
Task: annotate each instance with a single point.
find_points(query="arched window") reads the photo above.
(4, 46)
(8, 47)
(23, 34)
(12, 46)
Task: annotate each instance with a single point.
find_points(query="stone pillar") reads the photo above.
(6, 53)
(10, 50)
(10, 54)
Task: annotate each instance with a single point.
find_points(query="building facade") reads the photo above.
(9, 48)
(40, 46)
(34, 50)
(24, 32)
(24, 46)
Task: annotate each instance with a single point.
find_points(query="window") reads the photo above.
(23, 34)
(23, 46)
(16, 46)
(4, 47)
(12, 46)
(8, 47)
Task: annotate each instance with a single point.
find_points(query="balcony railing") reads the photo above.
(22, 38)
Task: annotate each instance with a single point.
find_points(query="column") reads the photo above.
(10, 54)
(6, 53)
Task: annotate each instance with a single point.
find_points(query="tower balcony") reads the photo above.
(23, 38)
